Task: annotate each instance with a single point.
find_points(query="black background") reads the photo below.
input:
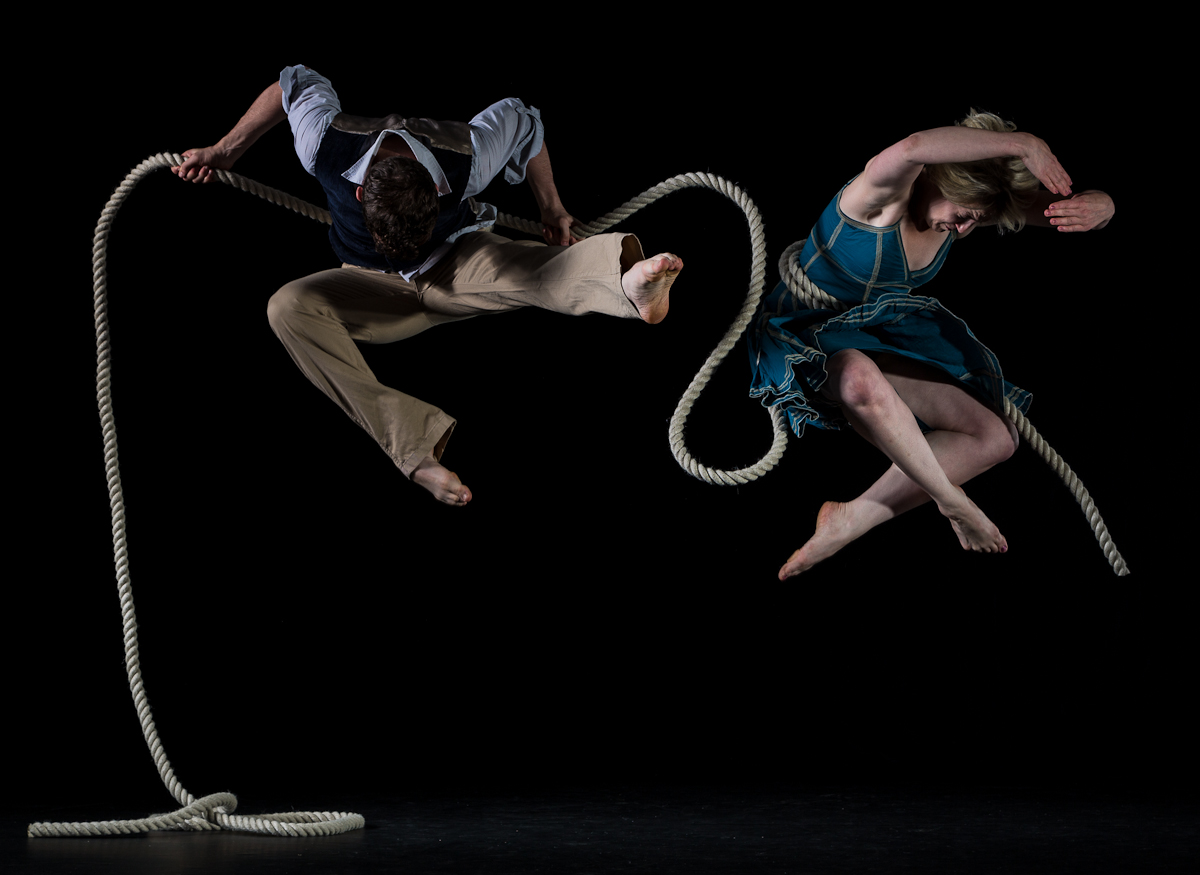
(309, 619)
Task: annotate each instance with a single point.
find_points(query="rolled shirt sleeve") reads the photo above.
(505, 136)
(310, 103)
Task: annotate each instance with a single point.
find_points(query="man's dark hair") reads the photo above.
(400, 205)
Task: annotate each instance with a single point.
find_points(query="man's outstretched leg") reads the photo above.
(607, 274)
(321, 318)
(647, 283)
(485, 273)
(442, 483)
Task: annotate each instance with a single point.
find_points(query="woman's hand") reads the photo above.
(1041, 163)
(1086, 211)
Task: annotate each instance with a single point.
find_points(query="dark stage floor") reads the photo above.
(750, 829)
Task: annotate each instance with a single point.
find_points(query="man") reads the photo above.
(415, 251)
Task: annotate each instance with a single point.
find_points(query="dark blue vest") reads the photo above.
(349, 237)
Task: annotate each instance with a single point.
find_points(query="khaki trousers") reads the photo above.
(320, 317)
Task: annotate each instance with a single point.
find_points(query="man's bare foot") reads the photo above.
(648, 285)
(834, 531)
(441, 482)
(975, 531)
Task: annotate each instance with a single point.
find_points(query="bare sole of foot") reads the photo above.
(442, 483)
(974, 530)
(833, 532)
(648, 285)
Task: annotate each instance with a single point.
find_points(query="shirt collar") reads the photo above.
(358, 171)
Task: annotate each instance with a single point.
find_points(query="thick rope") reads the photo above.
(215, 811)
(799, 284)
(816, 299)
(758, 270)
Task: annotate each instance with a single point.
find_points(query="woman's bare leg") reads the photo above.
(880, 398)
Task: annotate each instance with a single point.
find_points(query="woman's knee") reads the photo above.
(999, 437)
(1013, 437)
(855, 381)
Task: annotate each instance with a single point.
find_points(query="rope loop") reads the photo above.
(758, 271)
(214, 812)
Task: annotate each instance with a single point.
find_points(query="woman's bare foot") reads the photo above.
(441, 482)
(648, 285)
(834, 531)
(975, 531)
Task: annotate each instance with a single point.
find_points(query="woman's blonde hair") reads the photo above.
(1002, 187)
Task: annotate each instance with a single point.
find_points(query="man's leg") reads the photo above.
(647, 281)
(486, 273)
(319, 318)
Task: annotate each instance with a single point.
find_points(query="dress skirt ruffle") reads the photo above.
(788, 352)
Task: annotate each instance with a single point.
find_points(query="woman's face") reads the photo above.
(944, 215)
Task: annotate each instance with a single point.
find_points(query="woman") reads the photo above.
(902, 370)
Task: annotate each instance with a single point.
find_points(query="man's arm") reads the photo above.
(507, 137)
(263, 114)
(556, 221)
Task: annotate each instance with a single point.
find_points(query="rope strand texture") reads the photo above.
(816, 299)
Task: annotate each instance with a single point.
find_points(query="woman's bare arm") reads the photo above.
(885, 184)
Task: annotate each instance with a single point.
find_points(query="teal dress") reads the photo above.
(866, 268)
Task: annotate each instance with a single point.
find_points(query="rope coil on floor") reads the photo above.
(816, 299)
